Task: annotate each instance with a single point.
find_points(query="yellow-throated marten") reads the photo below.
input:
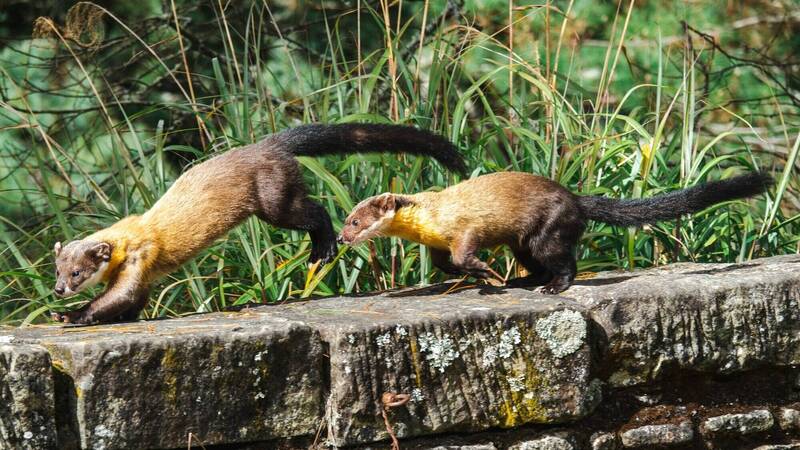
(261, 179)
(539, 219)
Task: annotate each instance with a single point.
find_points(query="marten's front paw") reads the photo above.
(553, 288)
(73, 317)
(325, 255)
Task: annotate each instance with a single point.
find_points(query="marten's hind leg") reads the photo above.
(308, 215)
(538, 274)
(283, 202)
(555, 252)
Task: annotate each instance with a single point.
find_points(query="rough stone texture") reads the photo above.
(717, 318)
(466, 447)
(789, 419)
(484, 359)
(27, 418)
(604, 441)
(544, 443)
(474, 361)
(650, 435)
(779, 447)
(747, 423)
(221, 377)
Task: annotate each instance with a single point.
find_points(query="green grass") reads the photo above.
(530, 108)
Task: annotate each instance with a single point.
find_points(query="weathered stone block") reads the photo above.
(544, 443)
(217, 378)
(469, 362)
(27, 415)
(747, 423)
(466, 447)
(789, 419)
(779, 447)
(604, 441)
(651, 435)
(717, 318)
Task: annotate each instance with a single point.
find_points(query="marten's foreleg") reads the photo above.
(125, 297)
(465, 261)
(441, 260)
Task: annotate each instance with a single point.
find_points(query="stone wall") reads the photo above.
(687, 355)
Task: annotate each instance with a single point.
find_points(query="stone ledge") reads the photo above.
(221, 377)
(27, 416)
(471, 360)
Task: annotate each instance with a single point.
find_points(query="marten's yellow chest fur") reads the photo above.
(416, 224)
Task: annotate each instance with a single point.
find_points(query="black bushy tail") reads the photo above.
(320, 139)
(674, 204)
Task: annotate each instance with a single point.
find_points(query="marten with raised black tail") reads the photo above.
(203, 204)
(539, 219)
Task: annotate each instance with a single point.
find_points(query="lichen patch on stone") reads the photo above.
(563, 331)
(440, 351)
(383, 339)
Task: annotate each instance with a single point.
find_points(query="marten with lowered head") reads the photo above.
(203, 204)
(539, 219)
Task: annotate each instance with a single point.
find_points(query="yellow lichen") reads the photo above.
(415, 361)
(522, 406)
(170, 379)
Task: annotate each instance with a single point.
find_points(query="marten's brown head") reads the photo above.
(368, 218)
(80, 265)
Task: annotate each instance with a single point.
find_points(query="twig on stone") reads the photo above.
(392, 400)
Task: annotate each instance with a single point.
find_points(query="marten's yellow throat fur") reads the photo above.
(416, 224)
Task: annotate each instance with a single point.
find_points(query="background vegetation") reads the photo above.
(103, 104)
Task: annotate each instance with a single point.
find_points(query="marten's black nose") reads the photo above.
(59, 290)
(340, 240)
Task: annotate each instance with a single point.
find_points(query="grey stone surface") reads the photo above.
(465, 447)
(604, 441)
(746, 423)
(477, 359)
(222, 378)
(650, 435)
(789, 419)
(544, 443)
(779, 447)
(27, 414)
(719, 318)
(470, 362)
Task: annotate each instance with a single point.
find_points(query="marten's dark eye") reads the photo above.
(355, 222)
(58, 274)
(76, 273)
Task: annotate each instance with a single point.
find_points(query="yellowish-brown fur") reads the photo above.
(495, 208)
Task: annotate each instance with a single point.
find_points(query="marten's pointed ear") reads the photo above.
(386, 202)
(100, 251)
(57, 248)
